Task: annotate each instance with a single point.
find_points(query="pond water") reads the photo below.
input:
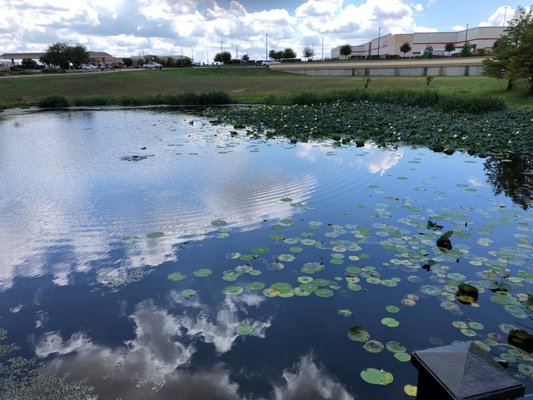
(228, 267)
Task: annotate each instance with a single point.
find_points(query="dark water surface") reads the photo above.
(300, 244)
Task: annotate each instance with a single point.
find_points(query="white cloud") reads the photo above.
(309, 381)
(131, 27)
(499, 17)
(148, 364)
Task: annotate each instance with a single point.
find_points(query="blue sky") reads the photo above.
(196, 27)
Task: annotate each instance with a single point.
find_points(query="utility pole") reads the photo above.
(236, 51)
(379, 39)
(266, 46)
(322, 48)
(466, 33)
(192, 55)
(221, 46)
(505, 15)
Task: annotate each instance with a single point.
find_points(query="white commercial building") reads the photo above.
(482, 40)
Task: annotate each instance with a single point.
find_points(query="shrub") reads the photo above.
(54, 101)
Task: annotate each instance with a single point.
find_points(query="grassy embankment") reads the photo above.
(243, 85)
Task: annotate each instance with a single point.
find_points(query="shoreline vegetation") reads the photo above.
(465, 119)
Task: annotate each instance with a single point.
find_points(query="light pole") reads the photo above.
(236, 51)
(466, 33)
(266, 46)
(221, 46)
(379, 39)
(505, 15)
(322, 48)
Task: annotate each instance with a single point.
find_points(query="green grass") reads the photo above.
(243, 85)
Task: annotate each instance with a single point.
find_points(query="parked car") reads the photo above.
(89, 67)
(153, 65)
(267, 63)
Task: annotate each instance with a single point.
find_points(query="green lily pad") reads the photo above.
(129, 239)
(344, 312)
(395, 347)
(233, 290)
(202, 272)
(304, 279)
(176, 276)
(377, 376)
(256, 285)
(155, 235)
(188, 293)
(373, 346)
(358, 334)
(324, 293)
(431, 290)
(312, 267)
(295, 249)
(244, 330)
(286, 257)
(390, 322)
(260, 250)
(219, 223)
(403, 357)
(392, 309)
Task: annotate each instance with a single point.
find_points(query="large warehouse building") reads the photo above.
(481, 38)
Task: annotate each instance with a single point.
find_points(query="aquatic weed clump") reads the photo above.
(494, 133)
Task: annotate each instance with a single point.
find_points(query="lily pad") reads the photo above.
(392, 309)
(244, 330)
(395, 347)
(324, 293)
(410, 390)
(358, 334)
(373, 346)
(286, 257)
(233, 290)
(202, 272)
(344, 312)
(256, 285)
(155, 235)
(176, 276)
(390, 322)
(402, 357)
(188, 293)
(377, 376)
(219, 223)
(260, 250)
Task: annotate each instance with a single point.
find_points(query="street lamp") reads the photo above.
(322, 48)
(266, 46)
(505, 15)
(466, 33)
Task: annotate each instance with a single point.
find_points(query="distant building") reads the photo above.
(99, 58)
(481, 38)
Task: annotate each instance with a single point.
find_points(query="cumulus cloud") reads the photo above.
(307, 380)
(132, 27)
(499, 17)
(148, 366)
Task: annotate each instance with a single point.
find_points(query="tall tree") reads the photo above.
(56, 54)
(288, 53)
(449, 47)
(345, 50)
(466, 50)
(428, 51)
(521, 65)
(224, 57)
(405, 48)
(510, 58)
(245, 57)
(308, 52)
(77, 55)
